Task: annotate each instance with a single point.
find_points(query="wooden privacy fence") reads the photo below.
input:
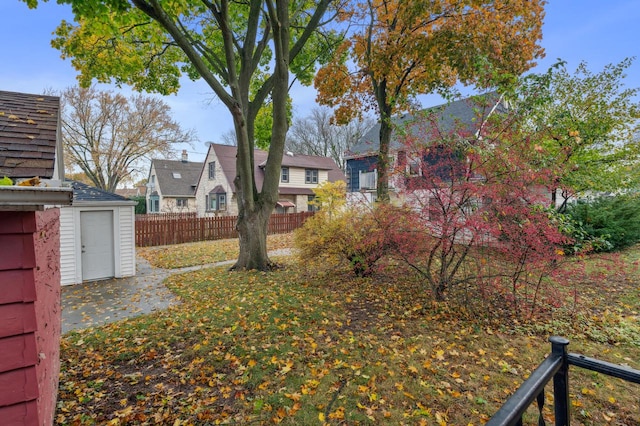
(167, 231)
(165, 216)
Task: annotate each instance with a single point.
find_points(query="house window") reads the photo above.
(311, 176)
(212, 170)
(311, 204)
(176, 175)
(368, 180)
(284, 174)
(154, 204)
(216, 202)
(414, 168)
(182, 203)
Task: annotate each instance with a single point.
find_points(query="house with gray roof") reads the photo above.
(300, 174)
(171, 186)
(465, 114)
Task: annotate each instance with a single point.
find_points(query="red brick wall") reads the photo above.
(29, 316)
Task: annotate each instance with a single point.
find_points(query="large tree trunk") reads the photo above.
(254, 208)
(252, 228)
(383, 160)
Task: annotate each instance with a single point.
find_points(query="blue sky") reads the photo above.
(596, 31)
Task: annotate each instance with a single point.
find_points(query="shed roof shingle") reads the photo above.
(84, 192)
(28, 134)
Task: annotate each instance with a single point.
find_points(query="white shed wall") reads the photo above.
(68, 256)
(127, 242)
(70, 241)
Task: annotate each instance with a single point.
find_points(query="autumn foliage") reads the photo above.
(401, 49)
(357, 237)
(474, 223)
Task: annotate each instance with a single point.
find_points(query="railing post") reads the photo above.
(561, 382)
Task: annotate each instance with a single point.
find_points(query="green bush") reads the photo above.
(606, 223)
(141, 207)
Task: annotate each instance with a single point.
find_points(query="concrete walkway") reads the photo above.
(100, 302)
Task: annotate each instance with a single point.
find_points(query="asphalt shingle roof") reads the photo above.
(84, 192)
(463, 113)
(28, 134)
(227, 157)
(183, 186)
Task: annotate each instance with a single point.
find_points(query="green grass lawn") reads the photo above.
(292, 348)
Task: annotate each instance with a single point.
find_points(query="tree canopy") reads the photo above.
(587, 123)
(244, 51)
(400, 49)
(107, 135)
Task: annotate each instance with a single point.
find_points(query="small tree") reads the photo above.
(330, 197)
(477, 212)
(586, 124)
(141, 206)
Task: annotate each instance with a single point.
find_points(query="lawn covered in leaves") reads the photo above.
(293, 348)
(203, 252)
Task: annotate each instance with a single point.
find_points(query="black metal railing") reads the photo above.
(556, 367)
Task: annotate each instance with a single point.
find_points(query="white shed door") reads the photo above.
(96, 238)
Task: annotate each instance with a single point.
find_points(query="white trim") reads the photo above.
(33, 197)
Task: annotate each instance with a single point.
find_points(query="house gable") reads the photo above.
(297, 189)
(172, 185)
(216, 181)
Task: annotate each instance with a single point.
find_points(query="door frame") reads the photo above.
(78, 238)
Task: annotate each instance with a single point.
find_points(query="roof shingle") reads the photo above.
(461, 113)
(84, 192)
(28, 134)
(183, 186)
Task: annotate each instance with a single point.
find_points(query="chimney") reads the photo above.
(185, 156)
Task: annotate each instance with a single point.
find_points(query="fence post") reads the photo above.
(561, 382)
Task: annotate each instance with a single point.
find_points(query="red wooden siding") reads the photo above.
(29, 316)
